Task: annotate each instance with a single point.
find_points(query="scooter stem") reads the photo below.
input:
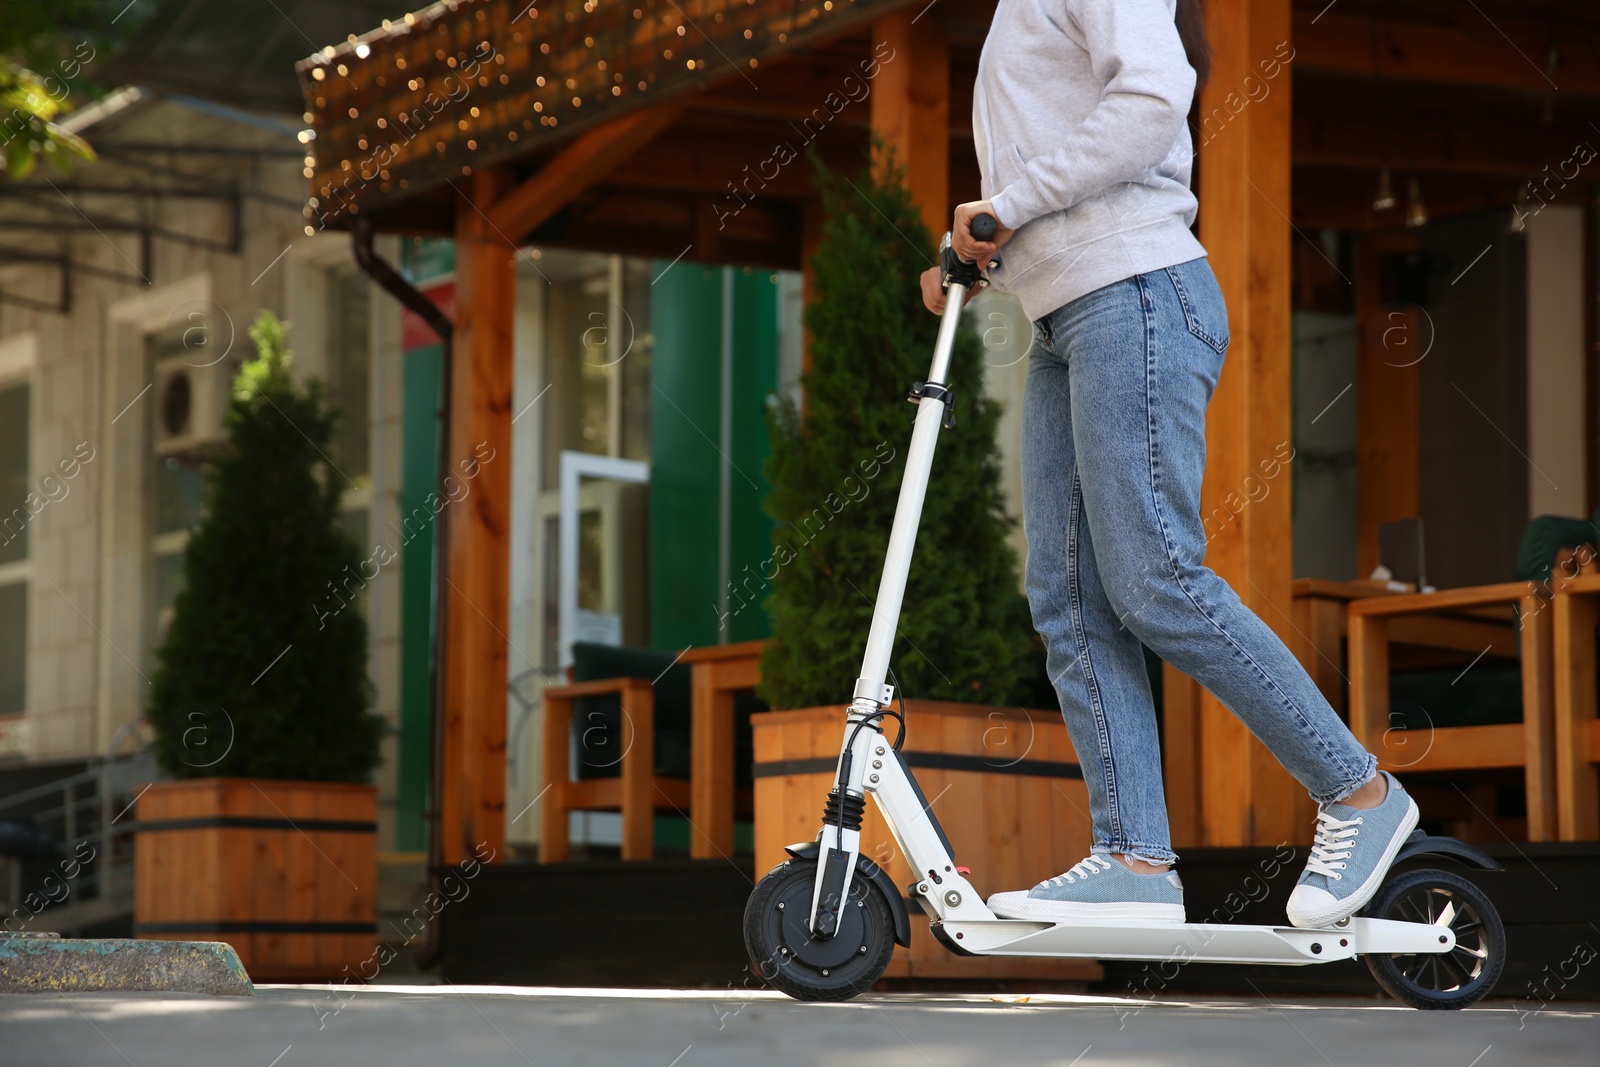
(908, 512)
(840, 838)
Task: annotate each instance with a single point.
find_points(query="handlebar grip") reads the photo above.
(983, 227)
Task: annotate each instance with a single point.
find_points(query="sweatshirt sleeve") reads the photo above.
(1136, 54)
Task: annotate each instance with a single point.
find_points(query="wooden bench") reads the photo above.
(1473, 620)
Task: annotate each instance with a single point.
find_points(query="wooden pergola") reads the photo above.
(653, 128)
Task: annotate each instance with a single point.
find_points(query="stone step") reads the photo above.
(44, 963)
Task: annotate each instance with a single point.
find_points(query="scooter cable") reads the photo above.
(901, 714)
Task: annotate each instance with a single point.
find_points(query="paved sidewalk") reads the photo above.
(400, 1026)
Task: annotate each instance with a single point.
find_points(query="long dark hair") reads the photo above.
(1192, 31)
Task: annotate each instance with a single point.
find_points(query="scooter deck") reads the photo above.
(1192, 942)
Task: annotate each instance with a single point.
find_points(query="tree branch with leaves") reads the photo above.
(45, 48)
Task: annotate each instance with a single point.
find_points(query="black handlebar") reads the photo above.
(955, 270)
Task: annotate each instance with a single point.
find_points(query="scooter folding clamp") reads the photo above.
(880, 695)
(935, 391)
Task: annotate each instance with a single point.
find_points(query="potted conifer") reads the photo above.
(964, 631)
(261, 707)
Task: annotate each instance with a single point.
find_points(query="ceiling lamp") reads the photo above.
(1416, 214)
(1519, 211)
(1385, 200)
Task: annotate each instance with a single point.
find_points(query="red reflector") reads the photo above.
(963, 870)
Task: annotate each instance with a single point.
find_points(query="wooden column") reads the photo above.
(1389, 348)
(911, 105)
(1180, 750)
(477, 569)
(811, 220)
(1246, 798)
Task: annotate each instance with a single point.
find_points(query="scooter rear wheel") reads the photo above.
(783, 952)
(1453, 979)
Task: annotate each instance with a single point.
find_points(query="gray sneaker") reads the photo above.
(1099, 889)
(1352, 852)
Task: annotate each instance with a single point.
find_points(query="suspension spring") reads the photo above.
(844, 810)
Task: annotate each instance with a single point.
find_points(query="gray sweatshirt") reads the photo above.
(1079, 118)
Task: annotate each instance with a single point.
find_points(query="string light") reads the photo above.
(483, 50)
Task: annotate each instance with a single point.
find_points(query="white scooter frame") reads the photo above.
(870, 766)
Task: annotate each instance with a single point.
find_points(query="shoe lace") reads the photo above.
(1082, 869)
(1332, 845)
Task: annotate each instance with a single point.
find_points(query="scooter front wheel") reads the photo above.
(777, 935)
(1453, 979)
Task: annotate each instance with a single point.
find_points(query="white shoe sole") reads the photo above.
(1019, 905)
(1348, 906)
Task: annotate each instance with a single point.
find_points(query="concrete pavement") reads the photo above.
(463, 1026)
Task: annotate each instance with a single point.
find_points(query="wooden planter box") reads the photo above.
(1004, 783)
(285, 872)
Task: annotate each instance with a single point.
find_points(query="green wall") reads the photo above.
(686, 458)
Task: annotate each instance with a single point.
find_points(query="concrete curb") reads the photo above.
(66, 965)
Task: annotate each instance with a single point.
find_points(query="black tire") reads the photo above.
(783, 952)
(1449, 980)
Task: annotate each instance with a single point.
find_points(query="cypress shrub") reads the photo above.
(263, 672)
(836, 468)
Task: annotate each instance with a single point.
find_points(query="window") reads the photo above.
(174, 500)
(597, 345)
(14, 536)
(349, 362)
(348, 351)
(575, 331)
(594, 395)
(632, 348)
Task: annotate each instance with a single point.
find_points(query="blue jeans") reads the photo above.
(1113, 449)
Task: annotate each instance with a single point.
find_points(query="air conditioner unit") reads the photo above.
(191, 398)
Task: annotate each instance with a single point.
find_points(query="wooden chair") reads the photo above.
(720, 672)
(1577, 731)
(636, 792)
(1320, 621)
(1471, 621)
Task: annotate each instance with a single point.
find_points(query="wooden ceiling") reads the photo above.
(1473, 99)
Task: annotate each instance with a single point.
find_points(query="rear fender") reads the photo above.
(1421, 844)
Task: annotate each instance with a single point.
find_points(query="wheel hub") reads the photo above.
(795, 939)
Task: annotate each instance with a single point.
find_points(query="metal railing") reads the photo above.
(81, 872)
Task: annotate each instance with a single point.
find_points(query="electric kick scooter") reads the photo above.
(823, 924)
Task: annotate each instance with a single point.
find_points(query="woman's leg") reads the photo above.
(1142, 372)
(1096, 664)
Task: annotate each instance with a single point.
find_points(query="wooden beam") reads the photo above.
(1465, 48)
(576, 167)
(477, 570)
(1446, 138)
(1390, 344)
(911, 106)
(1246, 797)
(619, 219)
